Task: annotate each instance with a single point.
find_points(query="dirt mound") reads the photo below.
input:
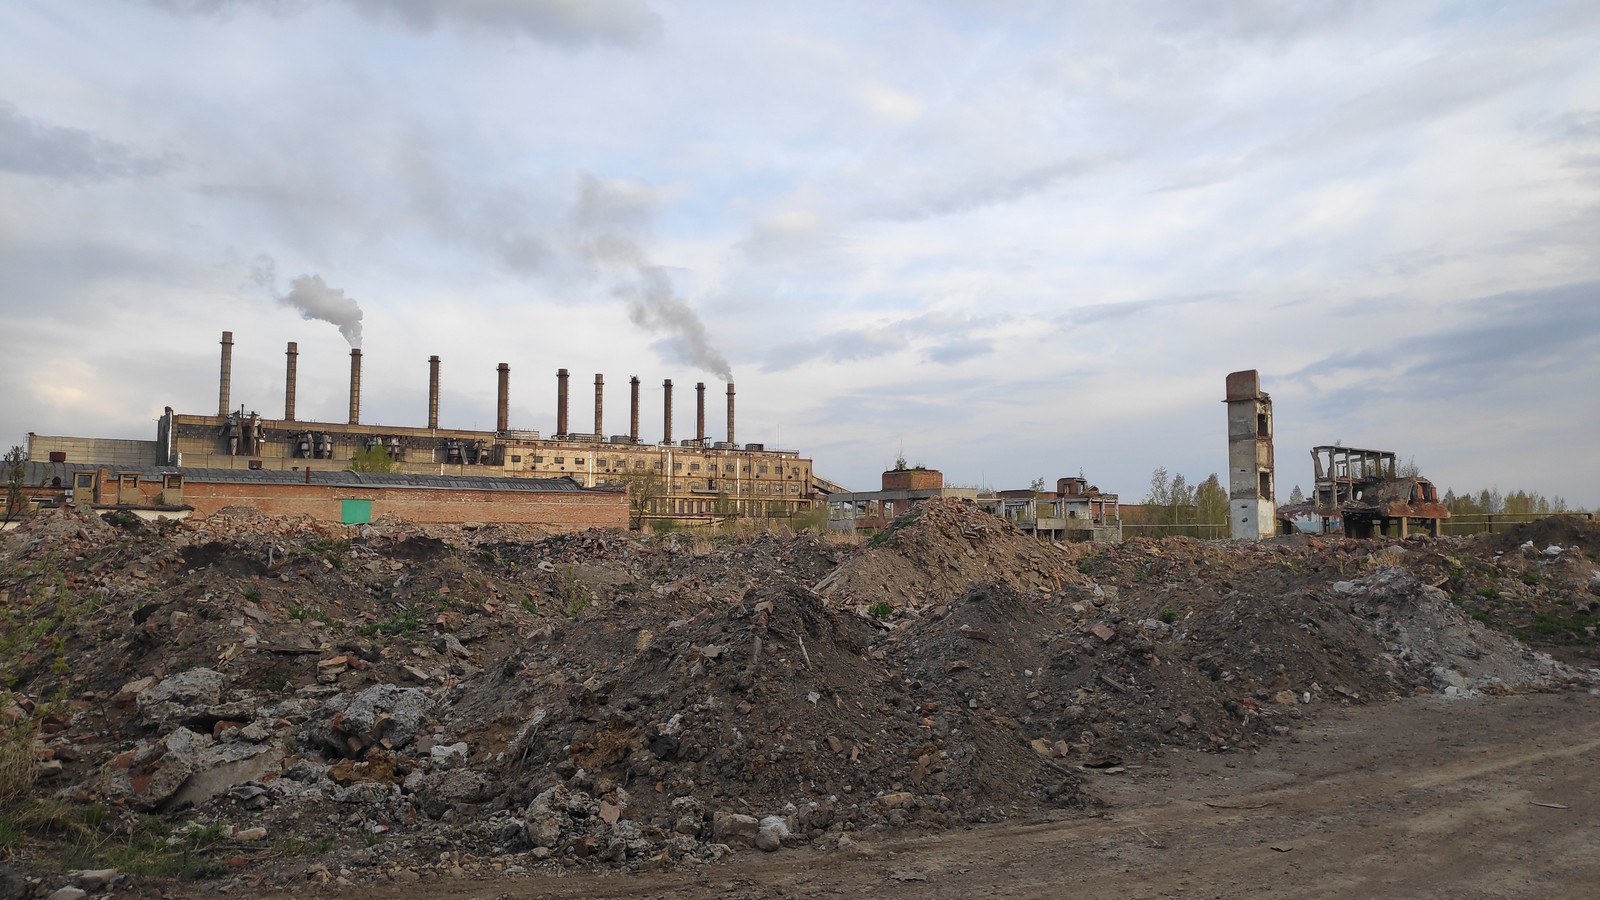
(391, 693)
(935, 553)
(1572, 532)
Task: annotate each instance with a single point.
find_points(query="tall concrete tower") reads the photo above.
(1252, 507)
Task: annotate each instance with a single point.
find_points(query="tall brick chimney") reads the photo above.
(355, 387)
(293, 353)
(226, 386)
(433, 392)
(502, 408)
(666, 411)
(599, 405)
(561, 403)
(633, 416)
(700, 412)
(730, 413)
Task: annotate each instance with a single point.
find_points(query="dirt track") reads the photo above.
(1419, 798)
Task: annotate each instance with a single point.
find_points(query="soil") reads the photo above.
(1420, 798)
(293, 705)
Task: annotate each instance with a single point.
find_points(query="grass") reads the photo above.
(86, 837)
(405, 620)
(880, 610)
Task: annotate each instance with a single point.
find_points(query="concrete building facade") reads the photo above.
(1251, 475)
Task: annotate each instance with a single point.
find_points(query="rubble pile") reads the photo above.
(388, 702)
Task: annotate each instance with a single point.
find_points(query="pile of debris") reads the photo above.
(393, 703)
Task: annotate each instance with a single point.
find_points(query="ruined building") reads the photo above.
(1075, 511)
(1251, 478)
(693, 478)
(1362, 493)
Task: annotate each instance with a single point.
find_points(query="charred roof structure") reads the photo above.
(1362, 493)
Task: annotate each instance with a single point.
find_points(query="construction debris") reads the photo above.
(395, 703)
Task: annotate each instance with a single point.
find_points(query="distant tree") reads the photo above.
(16, 472)
(1180, 501)
(1211, 502)
(1297, 495)
(1037, 485)
(373, 459)
(1408, 469)
(645, 490)
(1160, 493)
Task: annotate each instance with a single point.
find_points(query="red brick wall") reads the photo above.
(913, 480)
(560, 510)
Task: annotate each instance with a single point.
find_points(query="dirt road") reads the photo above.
(1418, 798)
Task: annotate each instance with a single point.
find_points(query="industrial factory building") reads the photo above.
(692, 478)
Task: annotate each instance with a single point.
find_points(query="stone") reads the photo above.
(443, 790)
(546, 817)
(182, 696)
(128, 695)
(350, 724)
(68, 893)
(92, 880)
(900, 799)
(449, 755)
(734, 829)
(773, 829)
(220, 767)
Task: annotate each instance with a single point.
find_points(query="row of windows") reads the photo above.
(677, 466)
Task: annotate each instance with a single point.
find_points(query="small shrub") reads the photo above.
(19, 762)
(880, 610)
(1169, 615)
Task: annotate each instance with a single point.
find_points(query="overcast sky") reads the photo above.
(1006, 239)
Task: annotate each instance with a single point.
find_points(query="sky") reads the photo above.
(1004, 239)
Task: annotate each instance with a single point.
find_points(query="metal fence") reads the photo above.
(1455, 525)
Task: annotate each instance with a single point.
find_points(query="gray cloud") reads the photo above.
(574, 23)
(30, 146)
(942, 338)
(924, 200)
(1532, 341)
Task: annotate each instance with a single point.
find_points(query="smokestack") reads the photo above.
(227, 374)
(433, 392)
(633, 417)
(730, 413)
(561, 403)
(666, 411)
(355, 387)
(599, 403)
(700, 411)
(288, 381)
(502, 409)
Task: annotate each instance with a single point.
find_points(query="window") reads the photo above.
(727, 468)
(1266, 485)
(538, 459)
(516, 458)
(694, 467)
(747, 467)
(561, 460)
(677, 467)
(1261, 424)
(638, 464)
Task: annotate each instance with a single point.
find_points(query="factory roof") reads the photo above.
(40, 473)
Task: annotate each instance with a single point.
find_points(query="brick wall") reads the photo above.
(559, 510)
(913, 480)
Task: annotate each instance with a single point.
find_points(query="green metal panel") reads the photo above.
(356, 512)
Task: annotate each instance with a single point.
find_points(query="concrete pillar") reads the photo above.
(1252, 508)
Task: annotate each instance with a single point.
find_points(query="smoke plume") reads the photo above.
(607, 215)
(313, 299)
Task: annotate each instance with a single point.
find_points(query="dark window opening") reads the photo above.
(1261, 424)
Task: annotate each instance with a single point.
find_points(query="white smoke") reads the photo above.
(314, 299)
(605, 216)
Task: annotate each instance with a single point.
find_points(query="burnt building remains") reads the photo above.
(1251, 476)
(1363, 493)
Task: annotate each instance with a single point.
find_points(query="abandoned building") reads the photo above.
(169, 492)
(1251, 476)
(1361, 493)
(692, 479)
(1075, 511)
